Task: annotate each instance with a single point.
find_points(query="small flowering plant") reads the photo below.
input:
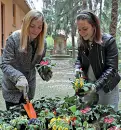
(81, 86)
(114, 128)
(45, 65)
(85, 110)
(88, 114)
(80, 118)
(59, 123)
(110, 122)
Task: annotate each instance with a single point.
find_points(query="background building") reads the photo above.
(11, 15)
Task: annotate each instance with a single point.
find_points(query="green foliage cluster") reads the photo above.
(50, 42)
(53, 113)
(69, 45)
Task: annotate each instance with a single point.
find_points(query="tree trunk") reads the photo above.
(90, 4)
(73, 40)
(114, 17)
(84, 4)
(100, 9)
(95, 5)
(73, 46)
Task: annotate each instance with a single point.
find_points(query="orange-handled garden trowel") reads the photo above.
(29, 108)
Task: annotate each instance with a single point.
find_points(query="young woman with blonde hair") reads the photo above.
(24, 49)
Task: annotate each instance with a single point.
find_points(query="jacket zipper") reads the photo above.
(85, 56)
(102, 56)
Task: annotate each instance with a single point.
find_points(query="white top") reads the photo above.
(90, 73)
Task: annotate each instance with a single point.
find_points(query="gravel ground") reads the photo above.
(59, 85)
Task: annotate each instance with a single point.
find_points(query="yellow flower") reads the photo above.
(60, 128)
(15, 128)
(59, 119)
(54, 127)
(81, 82)
(76, 82)
(52, 120)
(66, 129)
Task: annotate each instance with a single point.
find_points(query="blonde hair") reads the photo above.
(31, 15)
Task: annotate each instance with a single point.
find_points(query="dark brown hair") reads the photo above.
(94, 21)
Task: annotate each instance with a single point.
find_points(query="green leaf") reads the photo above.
(77, 113)
(86, 89)
(97, 115)
(85, 124)
(73, 108)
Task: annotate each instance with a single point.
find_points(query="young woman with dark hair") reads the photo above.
(98, 58)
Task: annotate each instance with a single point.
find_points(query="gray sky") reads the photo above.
(38, 4)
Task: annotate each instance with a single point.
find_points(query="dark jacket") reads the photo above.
(104, 61)
(16, 63)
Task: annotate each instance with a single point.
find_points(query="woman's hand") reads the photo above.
(22, 85)
(46, 75)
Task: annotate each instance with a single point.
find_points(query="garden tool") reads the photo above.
(29, 108)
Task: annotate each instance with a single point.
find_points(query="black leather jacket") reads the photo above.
(104, 61)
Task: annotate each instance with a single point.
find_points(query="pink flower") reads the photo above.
(114, 128)
(108, 120)
(44, 63)
(84, 111)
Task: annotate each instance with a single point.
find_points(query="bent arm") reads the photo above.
(8, 61)
(110, 78)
